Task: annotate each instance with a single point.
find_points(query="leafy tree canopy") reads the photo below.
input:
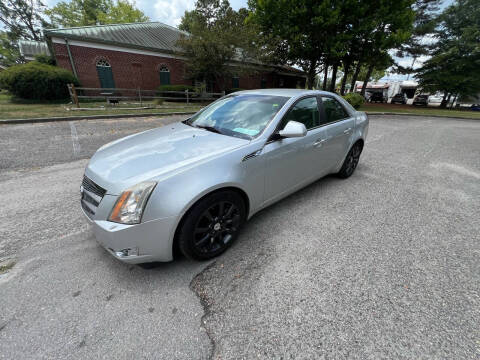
(91, 12)
(455, 62)
(218, 35)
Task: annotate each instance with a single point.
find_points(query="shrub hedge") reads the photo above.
(354, 99)
(37, 81)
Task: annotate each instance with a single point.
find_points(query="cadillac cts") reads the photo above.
(192, 185)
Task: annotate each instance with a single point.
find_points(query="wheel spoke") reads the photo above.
(221, 208)
(201, 230)
(230, 211)
(208, 215)
(203, 240)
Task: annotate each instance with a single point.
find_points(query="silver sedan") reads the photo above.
(193, 184)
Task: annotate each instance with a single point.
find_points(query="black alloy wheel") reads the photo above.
(351, 161)
(211, 225)
(216, 227)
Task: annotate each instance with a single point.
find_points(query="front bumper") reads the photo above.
(134, 244)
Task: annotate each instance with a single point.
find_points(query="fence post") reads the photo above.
(140, 96)
(223, 93)
(73, 94)
(186, 92)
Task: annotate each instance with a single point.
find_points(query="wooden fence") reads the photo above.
(115, 95)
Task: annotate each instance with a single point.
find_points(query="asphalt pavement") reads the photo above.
(383, 265)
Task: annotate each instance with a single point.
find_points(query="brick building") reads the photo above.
(145, 55)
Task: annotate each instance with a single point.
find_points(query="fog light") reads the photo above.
(127, 252)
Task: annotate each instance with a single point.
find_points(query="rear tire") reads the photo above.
(351, 161)
(211, 225)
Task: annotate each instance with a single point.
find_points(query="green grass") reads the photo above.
(13, 108)
(6, 266)
(418, 110)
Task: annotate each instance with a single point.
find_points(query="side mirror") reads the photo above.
(293, 129)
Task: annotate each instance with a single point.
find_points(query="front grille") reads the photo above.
(92, 194)
(90, 186)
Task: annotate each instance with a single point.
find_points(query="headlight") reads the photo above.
(130, 205)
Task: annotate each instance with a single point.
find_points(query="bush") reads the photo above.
(354, 99)
(37, 81)
(176, 88)
(162, 90)
(45, 59)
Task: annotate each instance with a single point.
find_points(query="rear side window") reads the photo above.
(305, 111)
(334, 111)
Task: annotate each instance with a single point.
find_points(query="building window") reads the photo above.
(164, 75)
(105, 75)
(235, 82)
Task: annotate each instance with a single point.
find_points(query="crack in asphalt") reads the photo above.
(206, 302)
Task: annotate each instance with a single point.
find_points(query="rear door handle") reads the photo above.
(347, 131)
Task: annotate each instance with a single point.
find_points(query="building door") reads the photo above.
(235, 82)
(105, 75)
(164, 75)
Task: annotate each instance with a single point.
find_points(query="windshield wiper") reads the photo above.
(209, 128)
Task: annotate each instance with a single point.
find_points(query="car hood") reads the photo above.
(155, 153)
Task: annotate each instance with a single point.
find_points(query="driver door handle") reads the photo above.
(319, 142)
(347, 131)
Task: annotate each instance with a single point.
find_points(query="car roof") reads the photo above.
(283, 92)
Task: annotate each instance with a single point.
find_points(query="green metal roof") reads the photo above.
(154, 36)
(29, 48)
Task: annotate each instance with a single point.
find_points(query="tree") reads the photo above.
(22, 18)
(299, 28)
(218, 36)
(9, 53)
(423, 27)
(93, 12)
(324, 35)
(453, 67)
(122, 12)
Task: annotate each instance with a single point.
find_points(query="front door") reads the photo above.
(293, 162)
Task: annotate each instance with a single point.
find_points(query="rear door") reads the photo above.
(339, 126)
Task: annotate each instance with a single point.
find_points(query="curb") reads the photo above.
(90, 117)
(418, 115)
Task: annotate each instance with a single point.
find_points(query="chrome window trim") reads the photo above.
(321, 113)
(343, 107)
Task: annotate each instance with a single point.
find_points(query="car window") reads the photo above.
(305, 111)
(334, 111)
(242, 115)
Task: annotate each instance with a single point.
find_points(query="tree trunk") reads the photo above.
(454, 99)
(367, 77)
(346, 68)
(311, 74)
(355, 76)
(444, 102)
(334, 77)
(325, 76)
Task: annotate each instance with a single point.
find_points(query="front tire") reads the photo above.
(351, 161)
(211, 225)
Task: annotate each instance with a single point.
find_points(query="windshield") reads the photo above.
(243, 116)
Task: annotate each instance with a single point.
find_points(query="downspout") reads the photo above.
(71, 59)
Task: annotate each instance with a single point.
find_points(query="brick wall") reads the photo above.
(129, 70)
(136, 70)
